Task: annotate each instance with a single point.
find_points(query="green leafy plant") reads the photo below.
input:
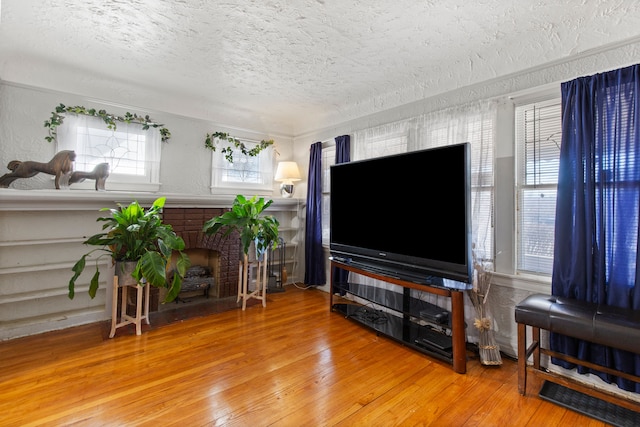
(246, 218)
(213, 139)
(57, 118)
(132, 233)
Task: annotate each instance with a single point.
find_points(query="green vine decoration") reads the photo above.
(57, 118)
(211, 141)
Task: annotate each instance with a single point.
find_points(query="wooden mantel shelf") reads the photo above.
(37, 200)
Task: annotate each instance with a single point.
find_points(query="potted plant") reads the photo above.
(138, 237)
(246, 218)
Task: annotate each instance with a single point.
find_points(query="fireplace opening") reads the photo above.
(202, 281)
(217, 254)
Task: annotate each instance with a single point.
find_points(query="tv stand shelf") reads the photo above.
(404, 327)
(398, 302)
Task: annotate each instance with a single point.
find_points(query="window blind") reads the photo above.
(538, 139)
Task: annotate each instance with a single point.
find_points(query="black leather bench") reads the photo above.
(611, 326)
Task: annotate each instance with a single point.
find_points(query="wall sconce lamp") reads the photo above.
(287, 173)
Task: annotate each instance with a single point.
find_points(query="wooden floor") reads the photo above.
(293, 363)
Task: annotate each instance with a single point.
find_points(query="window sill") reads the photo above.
(529, 283)
(118, 186)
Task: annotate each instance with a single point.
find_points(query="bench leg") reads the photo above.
(524, 352)
(522, 358)
(535, 340)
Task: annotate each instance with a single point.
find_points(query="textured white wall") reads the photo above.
(186, 163)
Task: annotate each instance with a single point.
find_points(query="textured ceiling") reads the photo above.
(291, 64)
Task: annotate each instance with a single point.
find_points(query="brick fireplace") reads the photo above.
(221, 254)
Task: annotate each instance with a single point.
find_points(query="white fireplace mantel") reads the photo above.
(77, 200)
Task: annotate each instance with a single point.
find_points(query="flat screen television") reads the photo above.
(406, 215)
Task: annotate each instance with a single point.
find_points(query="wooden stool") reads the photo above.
(245, 271)
(126, 319)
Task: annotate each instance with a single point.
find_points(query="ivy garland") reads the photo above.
(211, 141)
(57, 118)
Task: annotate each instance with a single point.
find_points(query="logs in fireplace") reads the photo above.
(197, 279)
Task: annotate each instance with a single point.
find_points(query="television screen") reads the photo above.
(408, 215)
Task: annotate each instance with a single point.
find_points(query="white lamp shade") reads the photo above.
(287, 172)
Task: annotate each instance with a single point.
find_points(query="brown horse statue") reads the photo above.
(61, 164)
(99, 173)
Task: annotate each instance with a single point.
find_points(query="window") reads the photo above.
(246, 172)
(385, 145)
(381, 141)
(133, 154)
(538, 138)
(474, 124)
(328, 159)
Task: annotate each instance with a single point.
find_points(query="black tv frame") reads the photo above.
(419, 224)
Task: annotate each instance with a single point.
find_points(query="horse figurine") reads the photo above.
(61, 164)
(99, 173)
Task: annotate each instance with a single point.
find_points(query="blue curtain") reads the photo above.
(596, 237)
(314, 272)
(343, 155)
(343, 149)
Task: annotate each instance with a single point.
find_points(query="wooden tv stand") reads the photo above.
(406, 329)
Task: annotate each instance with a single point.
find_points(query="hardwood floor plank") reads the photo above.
(292, 363)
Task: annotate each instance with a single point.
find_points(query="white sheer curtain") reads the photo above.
(383, 140)
(474, 123)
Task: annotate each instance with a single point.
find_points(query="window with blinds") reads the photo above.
(385, 145)
(478, 128)
(382, 141)
(538, 138)
(474, 124)
(482, 194)
(328, 159)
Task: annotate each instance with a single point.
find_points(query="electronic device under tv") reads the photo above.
(406, 215)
